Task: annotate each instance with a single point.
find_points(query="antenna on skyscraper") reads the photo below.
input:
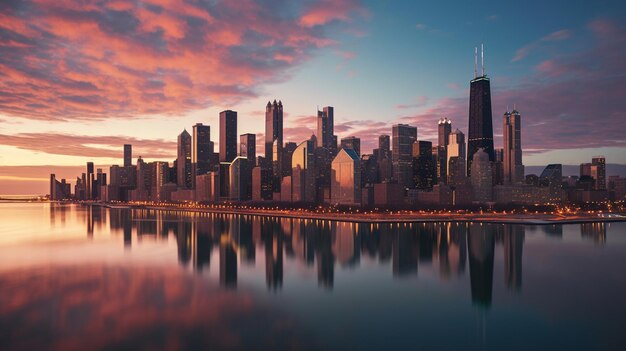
(482, 59)
(475, 61)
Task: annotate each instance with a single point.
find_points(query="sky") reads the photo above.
(80, 78)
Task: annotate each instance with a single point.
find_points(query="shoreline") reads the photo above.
(372, 218)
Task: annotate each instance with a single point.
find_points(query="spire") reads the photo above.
(482, 59)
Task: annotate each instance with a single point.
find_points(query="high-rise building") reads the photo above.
(325, 127)
(384, 146)
(201, 150)
(346, 178)
(89, 182)
(585, 170)
(247, 148)
(480, 133)
(512, 151)
(228, 135)
(183, 161)
(424, 172)
(353, 143)
(403, 138)
(482, 177)
(456, 156)
(598, 172)
(128, 155)
(552, 177)
(274, 140)
(444, 128)
(304, 173)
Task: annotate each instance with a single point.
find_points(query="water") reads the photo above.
(79, 277)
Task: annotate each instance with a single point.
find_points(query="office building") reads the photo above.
(274, 141)
(346, 178)
(183, 161)
(247, 148)
(228, 135)
(513, 168)
(403, 137)
(480, 128)
(353, 143)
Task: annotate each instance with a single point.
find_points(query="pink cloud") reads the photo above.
(524, 51)
(326, 11)
(80, 60)
(90, 146)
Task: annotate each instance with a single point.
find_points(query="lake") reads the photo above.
(76, 277)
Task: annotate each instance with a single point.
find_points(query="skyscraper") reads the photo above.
(274, 139)
(480, 134)
(403, 138)
(456, 156)
(247, 148)
(424, 172)
(200, 150)
(228, 135)
(598, 172)
(183, 161)
(128, 155)
(512, 151)
(353, 143)
(346, 178)
(325, 127)
(304, 174)
(384, 146)
(444, 128)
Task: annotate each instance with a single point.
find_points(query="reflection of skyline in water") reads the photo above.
(136, 279)
(323, 245)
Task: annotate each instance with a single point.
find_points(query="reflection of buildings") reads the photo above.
(481, 243)
(594, 231)
(318, 246)
(228, 265)
(513, 244)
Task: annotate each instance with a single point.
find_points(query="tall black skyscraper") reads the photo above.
(274, 141)
(228, 135)
(200, 149)
(480, 134)
(183, 161)
(128, 155)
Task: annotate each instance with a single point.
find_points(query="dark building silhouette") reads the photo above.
(480, 128)
(183, 161)
(201, 150)
(424, 167)
(325, 128)
(247, 148)
(228, 135)
(274, 141)
(444, 128)
(403, 138)
(128, 155)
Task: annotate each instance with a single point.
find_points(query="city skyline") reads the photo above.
(543, 60)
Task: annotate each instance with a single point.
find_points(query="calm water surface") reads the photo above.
(78, 278)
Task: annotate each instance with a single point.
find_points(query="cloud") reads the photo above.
(90, 146)
(82, 60)
(326, 11)
(420, 26)
(524, 51)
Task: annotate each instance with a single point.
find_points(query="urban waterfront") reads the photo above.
(88, 277)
